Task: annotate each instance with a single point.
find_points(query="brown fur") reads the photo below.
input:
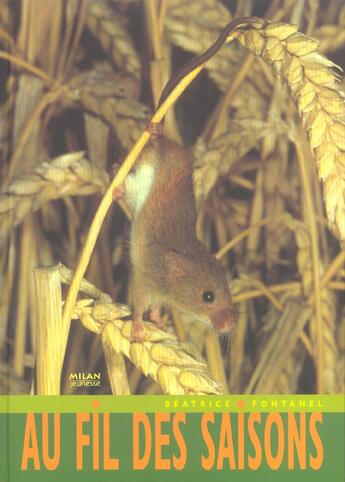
(169, 265)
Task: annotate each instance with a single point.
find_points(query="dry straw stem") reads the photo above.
(328, 339)
(323, 322)
(24, 281)
(315, 258)
(333, 268)
(217, 123)
(160, 356)
(27, 66)
(6, 116)
(32, 122)
(303, 263)
(287, 382)
(279, 347)
(341, 359)
(114, 38)
(237, 352)
(5, 36)
(291, 287)
(160, 58)
(215, 359)
(277, 182)
(256, 213)
(320, 100)
(158, 72)
(66, 175)
(50, 344)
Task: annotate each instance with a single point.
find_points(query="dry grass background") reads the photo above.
(79, 81)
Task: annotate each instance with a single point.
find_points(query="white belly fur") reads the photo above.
(138, 185)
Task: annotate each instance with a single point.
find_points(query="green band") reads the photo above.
(162, 403)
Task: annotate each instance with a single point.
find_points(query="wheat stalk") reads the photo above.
(340, 335)
(6, 117)
(277, 183)
(279, 346)
(287, 381)
(303, 257)
(50, 349)
(237, 352)
(329, 352)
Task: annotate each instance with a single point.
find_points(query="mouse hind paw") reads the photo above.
(156, 317)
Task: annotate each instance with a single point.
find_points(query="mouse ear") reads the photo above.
(177, 265)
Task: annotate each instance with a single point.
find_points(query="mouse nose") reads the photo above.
(224, 320)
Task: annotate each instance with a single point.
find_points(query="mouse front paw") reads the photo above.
(138, 331)
(118, 191)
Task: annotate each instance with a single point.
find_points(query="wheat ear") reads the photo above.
(314, 86)
(66, 175)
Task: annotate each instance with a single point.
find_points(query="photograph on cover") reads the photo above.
(172, 209)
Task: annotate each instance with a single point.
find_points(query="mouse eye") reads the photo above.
(208, 296)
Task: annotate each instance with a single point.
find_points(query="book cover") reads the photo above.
(172, 226)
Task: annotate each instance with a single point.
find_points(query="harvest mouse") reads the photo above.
(169, 265)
